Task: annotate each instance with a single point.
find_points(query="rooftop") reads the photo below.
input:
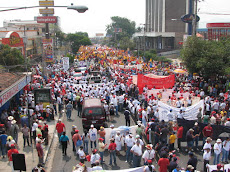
(7, 79)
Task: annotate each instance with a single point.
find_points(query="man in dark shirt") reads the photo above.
(173, 164)
(152, 127)
(192, 160)
(189, 138)
(196, 133)
(157, 134)
(164, 134)
(127, 117)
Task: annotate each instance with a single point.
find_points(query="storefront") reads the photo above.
(11, 95)
(218, 30)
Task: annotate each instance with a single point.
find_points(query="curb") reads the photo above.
(52, 139)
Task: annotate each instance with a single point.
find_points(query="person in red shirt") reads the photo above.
(207, 132)
(60, 128)
(179, 135)
(112, 150)
(9, 154)
(163, 163)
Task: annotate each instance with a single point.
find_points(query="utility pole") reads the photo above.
(195, 19)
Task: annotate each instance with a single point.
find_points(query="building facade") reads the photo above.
(218, 30)
(163, 28)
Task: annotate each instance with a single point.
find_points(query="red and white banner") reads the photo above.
(158, 83)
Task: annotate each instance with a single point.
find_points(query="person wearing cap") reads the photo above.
(206, 158)
(149, 154)
(118, 139)
(218, 168)
(226, 148)
(196, 133)
(139, 130)
(189, 168)
(115, 103)
(217, 150)
(101, 146)
(14, 129)
(112, 151)
(93, 136)
(137, 153)
(192, 160)
(9, 154)
(150, 167)
(207, 132)
(102, 133)
(3, 140)
(97, 167)
(177, 169)
(48, 113)
(207, 145)
(113, 131)
(40, 152)
(189, 138)
(170, 115)
(60, 127)
(77, 140)
(64, 139)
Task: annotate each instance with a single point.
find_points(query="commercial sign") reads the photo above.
(13, 39)
(14, 89)
(46, 11)
(48, 49)
(100, 34)
(47, 19)
(46, 3)
(217, 25)
(188, 18)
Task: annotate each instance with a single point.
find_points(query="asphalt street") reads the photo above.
(65, 163)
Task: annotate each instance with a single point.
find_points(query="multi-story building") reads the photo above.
(163, 28)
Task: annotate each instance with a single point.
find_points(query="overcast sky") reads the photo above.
(98, 16)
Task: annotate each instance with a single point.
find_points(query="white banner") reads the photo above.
(190, 112)
(138, 169)
(65, 63)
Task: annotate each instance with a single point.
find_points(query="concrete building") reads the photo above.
(163, 28)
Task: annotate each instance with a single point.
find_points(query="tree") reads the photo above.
(208, 58)
(10, 56)
(126, 43)
(127, 29)
(77, 39)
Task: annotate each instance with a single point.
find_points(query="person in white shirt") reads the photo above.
(170, 115)
(137, 153)
(207, 145)
(81, 154)
(217, 150)
(94, 157)
(178, 103)
(97, 167)
(129, 142)
(118, 139)
(227, 123)
(149, 154)
(93, 136)
(206, 158)
(144, 117)
(226, 148)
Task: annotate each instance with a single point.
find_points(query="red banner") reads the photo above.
(158, 83)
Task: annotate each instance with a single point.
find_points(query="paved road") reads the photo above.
(65, 164)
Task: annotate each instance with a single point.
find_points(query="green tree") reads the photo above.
(127, 27)
(76, 40)
(10, 56)
(208, 58)
(126, 43)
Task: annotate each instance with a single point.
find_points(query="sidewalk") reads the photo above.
(31, 156)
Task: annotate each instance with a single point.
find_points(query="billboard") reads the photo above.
(48, 49)
(46, 3)
(46, 11)
(99, 34)
(47, 19)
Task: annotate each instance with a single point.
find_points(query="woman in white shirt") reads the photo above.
(217, 150)
(226, 148)
(118, 142)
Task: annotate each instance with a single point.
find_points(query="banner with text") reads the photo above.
(158, 83)
(190, 112)
(65, 63)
